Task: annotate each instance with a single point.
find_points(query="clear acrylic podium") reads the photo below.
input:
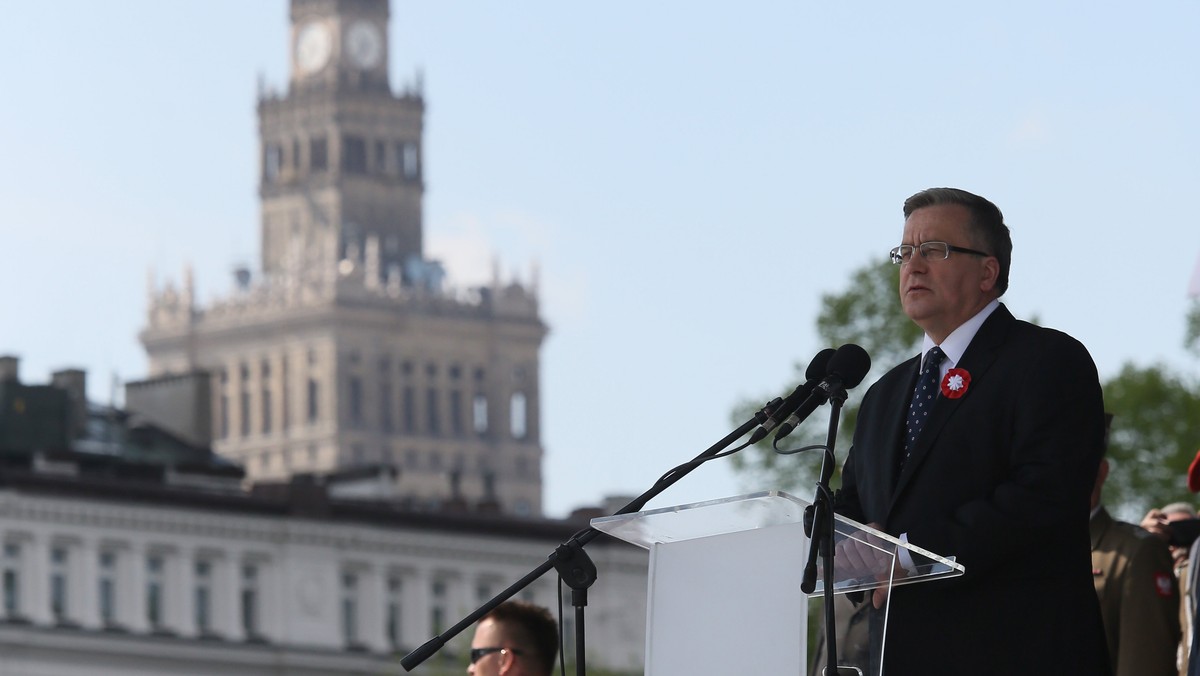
(724, 590)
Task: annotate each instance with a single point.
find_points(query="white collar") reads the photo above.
(955, 344)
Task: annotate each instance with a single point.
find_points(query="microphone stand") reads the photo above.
(818, 525)
(573, 563)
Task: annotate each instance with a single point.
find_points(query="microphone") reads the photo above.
(847, 367)
(817, 368)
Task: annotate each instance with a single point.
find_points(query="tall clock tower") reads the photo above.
(351, 350)
(341, 154)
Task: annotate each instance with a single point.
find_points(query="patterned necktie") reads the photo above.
(922, 399)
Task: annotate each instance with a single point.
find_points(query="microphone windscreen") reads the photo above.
(851, 364)
(819, 366)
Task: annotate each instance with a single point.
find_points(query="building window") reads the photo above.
(250, 601)
(244, 411)
(410, 410)
(266, 411)
(350, 609)
(489, 484)
(479, 414)
(517, 415)
(395, 592)
(266, 397)
(483, 591)
(410, 160)
(356, 400)
(380, 157)
(12, 579)
(385, 407)
(244, 401)
(203, 597)
(314, 392)
(456, 413)
(283, 393)
(431, 411)
(154, 592)
(437, 611)
(354, 154)
(318, 154)
(224, 405)
(108, 588)
(59, 569)
(272, 162)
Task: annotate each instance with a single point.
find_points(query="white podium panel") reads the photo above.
(716, 602)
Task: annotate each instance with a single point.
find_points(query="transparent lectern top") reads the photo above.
(768, 509)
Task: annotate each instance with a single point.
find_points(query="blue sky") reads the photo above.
(689, 177)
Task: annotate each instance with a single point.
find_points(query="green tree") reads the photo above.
(866, 313)
(1191, 336)
(869, 314)
(1155, 433)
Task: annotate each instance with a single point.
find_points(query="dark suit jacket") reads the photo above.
(1000, 479)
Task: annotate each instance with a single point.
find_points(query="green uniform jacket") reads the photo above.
(1139, 597)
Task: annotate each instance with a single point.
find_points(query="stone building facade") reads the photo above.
(189, 575)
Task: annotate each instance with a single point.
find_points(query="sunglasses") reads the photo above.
(479, 653)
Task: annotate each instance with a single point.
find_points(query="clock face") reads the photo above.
(313, 47)
(364, 44)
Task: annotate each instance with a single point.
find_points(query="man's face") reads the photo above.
(488, 634)
(939, 295)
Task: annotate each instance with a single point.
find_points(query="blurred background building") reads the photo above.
(325, 468)
(348, 348)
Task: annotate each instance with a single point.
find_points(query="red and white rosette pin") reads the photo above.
(955, 383)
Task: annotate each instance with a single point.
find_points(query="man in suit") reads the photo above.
(989, 457)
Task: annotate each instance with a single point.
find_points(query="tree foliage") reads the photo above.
(1155, 433)
(867, 313)
(1191, 336)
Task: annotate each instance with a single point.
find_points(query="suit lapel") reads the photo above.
(979, 357)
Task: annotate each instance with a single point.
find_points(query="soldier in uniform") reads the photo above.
(1139, 595)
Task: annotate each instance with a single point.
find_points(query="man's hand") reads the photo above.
(867, 555)
(1156, 522)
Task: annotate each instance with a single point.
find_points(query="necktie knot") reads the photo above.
(933, 359)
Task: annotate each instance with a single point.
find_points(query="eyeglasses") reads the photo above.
(479, 653)
(937, 251)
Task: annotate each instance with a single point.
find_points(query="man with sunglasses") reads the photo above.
(515, 639)
(984, 447)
